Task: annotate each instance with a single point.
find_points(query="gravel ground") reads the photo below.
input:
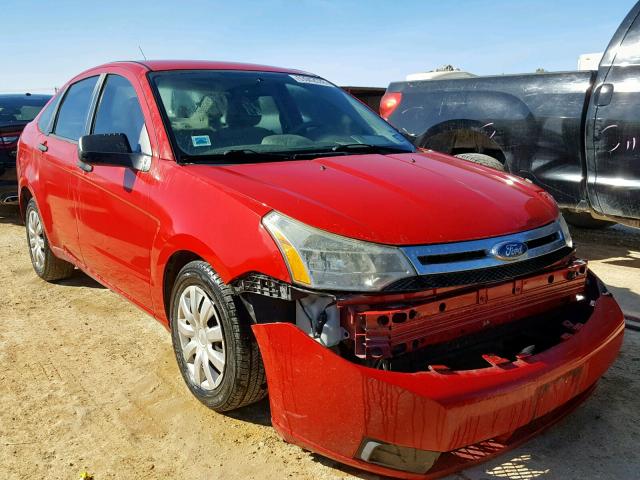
(88, 383)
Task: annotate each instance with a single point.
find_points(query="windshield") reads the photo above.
(240, 114)
(20, 109)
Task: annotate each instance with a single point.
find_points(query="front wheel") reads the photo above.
(214, 346)
(45, 263)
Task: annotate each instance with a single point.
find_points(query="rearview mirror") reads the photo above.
(109, 149)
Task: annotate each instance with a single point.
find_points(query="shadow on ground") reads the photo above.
(618, 245)
(80, 279)
(257, 413)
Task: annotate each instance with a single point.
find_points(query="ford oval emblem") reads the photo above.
(509, 250)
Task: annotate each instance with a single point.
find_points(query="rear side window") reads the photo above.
(44, 122)
(20, 109)
(72, 115)
(119, 112)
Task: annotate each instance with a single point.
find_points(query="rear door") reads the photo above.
(616, 134)
(58, 166)
(115, 226)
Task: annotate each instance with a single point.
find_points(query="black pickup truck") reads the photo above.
(576, 134)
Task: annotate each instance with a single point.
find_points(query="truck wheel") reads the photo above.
(216, 351)
(45, 263)
(482, 159)
(585, 220)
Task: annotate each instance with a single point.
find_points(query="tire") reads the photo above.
(45, 263)
(585, 220)
(240, 380)
(482, 159)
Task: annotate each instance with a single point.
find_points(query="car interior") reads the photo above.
(211, 116)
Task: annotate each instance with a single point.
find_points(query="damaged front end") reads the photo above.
(420, 382)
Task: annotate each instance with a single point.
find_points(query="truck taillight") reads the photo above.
(389, 103)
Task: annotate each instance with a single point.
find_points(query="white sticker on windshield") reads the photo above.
(201, 140)
(311, 80)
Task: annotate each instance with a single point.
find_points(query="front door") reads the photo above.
(616, 138)
(115, 227)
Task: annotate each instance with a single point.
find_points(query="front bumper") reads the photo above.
(333, 406)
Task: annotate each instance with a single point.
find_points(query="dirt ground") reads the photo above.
(88, 383)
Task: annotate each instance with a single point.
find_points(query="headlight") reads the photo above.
(325, 261)
(565, 230)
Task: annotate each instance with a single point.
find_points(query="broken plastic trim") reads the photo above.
(264, 285)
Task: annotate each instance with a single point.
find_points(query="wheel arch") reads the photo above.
(174, 255)
(464, 136)
(24, 196)
(174, 264)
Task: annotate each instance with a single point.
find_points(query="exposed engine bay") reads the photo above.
(439, 329)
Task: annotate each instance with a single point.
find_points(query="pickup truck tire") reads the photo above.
(482, 159)
(217, 354)
(45, 263)
(585, 220)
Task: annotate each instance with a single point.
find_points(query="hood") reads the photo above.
(403, 199)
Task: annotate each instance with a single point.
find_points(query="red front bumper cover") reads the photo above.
(333, 406)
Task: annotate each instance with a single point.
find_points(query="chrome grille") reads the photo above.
(501, 273)
(445, 258)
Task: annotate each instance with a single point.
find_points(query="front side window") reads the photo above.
(119, 112)
(215, 113)
(72, 115)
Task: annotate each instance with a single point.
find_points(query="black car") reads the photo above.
(16, 110)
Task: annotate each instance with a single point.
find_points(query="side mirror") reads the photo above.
(109, 149)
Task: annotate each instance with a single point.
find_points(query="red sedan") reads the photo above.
(407, 311)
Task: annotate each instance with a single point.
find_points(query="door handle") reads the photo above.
(604, 94)
(43, 147)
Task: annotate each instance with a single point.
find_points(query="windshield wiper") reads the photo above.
(235, 155)
(247, 155)
(352, 147)
(346, 149)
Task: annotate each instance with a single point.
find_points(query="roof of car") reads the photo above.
(158, 65)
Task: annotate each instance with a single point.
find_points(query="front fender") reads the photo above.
(231, 258)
